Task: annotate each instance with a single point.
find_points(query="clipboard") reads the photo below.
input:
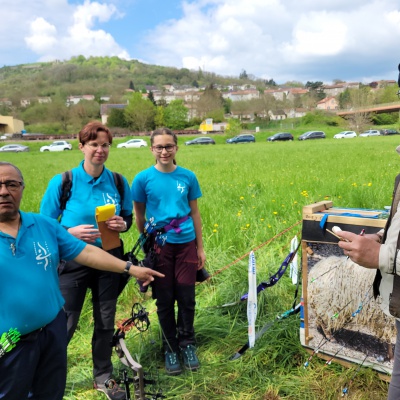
(109, 238)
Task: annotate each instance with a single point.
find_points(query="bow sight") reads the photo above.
(140, 320)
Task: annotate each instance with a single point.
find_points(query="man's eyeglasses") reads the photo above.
(11, 186)
(169, 147)
(95, 145)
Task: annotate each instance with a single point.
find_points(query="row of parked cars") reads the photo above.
(369, 132)
(340, 135)
(59, 145)
(62, 145)
(286, 136)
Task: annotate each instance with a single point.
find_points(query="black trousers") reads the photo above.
(75, 280)
(37, 367)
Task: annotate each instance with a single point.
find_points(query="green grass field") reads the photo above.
(251, 194)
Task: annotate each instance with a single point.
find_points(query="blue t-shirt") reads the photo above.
(87, 193)
(30, 296)
(167, 197)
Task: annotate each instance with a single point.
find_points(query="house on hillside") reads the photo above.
(286, 93)
(279, 94)
(44, 100)
(25, 102)
(167, 97)
(277, 115)
(105, 111)
(295, 112)
(333, 90)
(292, 93)
(382, 84)
(242, 95)
(329, 104)
(169, 88)
(40, 100)
(77, 99)
(5, 102)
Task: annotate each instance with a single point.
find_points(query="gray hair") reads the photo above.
(5, 163)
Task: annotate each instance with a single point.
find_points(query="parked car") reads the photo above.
(244, 138)
(200, 140)
(59, 145)
(345, 135)
(370, 132)
(132, 143)
(280, 136)
(389, 132)
(312, 135)
(16, 148)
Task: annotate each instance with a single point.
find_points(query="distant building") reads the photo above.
(25, 102)
(40, 100)
(242, 95)
(277, 115)
(209, 126)
(296, 112)
(77, 99)
(10, 125)
(5, 102)
(329, 103)
(105, 111)
(43, 100)
(382, 84)
(286, 93)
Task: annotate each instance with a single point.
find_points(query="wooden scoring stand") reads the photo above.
(318, 241)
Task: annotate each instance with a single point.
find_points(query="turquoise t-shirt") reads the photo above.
(167, 197)
(87, 193)
(30, 297)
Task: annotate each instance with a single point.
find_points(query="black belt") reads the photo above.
(31, 334)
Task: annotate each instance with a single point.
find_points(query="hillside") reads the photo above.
(98, 76)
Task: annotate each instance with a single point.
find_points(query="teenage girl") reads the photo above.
(167, 195)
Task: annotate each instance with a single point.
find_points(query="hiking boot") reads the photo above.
(111, 389)
(172, 364)
(190, 360)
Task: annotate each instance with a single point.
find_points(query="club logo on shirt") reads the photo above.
(111, 199)
(180, 187)
(42, 253)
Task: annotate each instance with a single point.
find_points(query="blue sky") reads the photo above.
(286, 40)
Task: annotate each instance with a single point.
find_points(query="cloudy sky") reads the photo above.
(286, 40)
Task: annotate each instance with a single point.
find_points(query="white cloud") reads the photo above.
(279, 39)
(81, 37)
(282, 39)
(43, 36)
(59, 30)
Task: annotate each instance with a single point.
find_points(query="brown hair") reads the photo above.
(163, 131)
(90, 131)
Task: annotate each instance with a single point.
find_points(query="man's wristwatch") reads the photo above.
(127, 268)
(125, 225)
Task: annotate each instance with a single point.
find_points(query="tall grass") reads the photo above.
(251, 193)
